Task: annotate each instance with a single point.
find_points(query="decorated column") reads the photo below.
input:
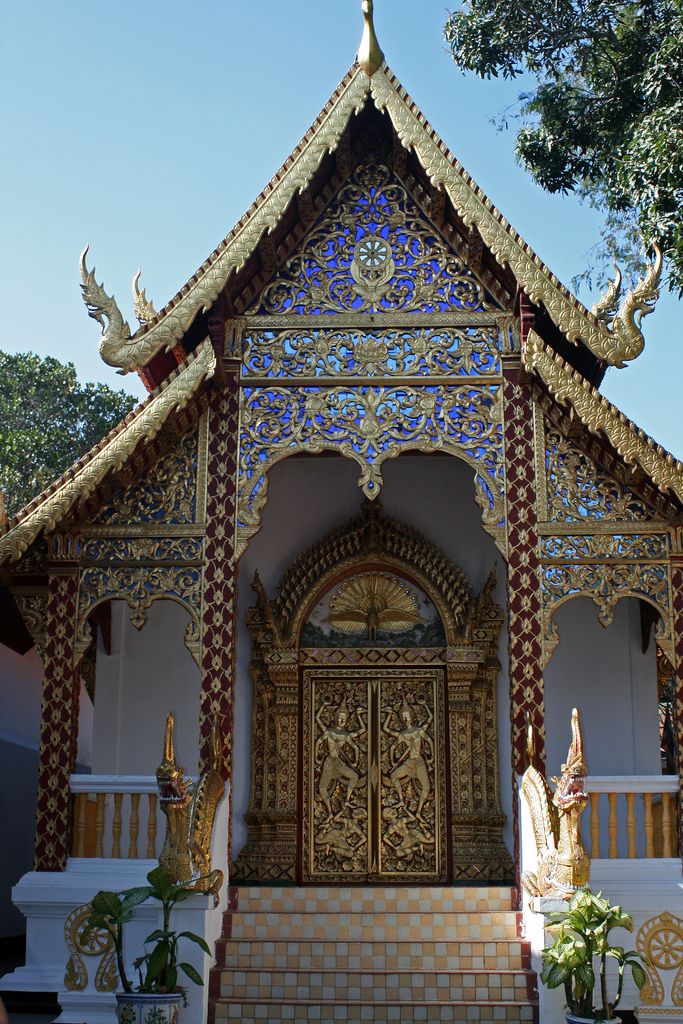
(677, 622)
(219, 597)
(524, 584)
(58, 723)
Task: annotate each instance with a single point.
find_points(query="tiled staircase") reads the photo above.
(372, 954)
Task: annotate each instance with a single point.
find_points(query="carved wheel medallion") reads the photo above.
(372, 267)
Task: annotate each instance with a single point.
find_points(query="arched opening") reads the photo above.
(436, 496)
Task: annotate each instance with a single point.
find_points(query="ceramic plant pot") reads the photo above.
(571, 1019)
(141, 1008)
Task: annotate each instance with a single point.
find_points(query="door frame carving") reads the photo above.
(472, 624)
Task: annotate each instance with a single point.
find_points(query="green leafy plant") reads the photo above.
(582, 935)
(158, 967)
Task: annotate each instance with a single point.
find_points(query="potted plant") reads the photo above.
(157, 997)
(582, 934)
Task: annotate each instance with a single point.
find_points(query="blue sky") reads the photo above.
(147, 128)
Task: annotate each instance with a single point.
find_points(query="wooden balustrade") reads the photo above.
(109, 814)
(632, 816)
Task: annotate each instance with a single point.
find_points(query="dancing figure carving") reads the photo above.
(335, 768)
(411, 767)
(190, 812)
(563, 864)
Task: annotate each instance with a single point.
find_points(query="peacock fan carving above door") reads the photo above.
(374, 733)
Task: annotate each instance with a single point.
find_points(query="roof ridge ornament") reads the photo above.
(370, 56)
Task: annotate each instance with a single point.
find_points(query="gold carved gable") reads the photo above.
(578, 489)
(166, 493)
(373, 251)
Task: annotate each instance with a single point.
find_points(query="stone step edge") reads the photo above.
(226, 1001)
(455, 972)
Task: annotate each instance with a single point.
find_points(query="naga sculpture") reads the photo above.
(116, 347)
(625, 325)
(190, 812)
(563, 864)
(144, 307)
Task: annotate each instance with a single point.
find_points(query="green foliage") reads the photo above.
(158, 966)
(581, 934)
(605, 119)
(48, 420)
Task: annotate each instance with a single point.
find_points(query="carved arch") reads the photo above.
(140, 587)
(606, 607)
(467, 667)
(485, 458)
(395, 545)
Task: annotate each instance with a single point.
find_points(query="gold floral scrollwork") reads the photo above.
(419, 352)
(373, 251)
(166, 493)
(369, 424)
(98, 944)
(139, 587)
(660, 942)
(578, 490)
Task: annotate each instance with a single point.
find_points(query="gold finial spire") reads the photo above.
(370, 56)
(169, 749)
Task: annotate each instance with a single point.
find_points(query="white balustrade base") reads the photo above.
(643, 887)
(46, 898)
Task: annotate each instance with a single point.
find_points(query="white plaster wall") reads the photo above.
(310, 496)
(604, 673)
(148, 673)
(21, 687)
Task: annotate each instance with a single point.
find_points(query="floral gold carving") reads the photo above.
(98, 943)
(139, 587)
(144, 425)
(660, 942)
(467, 351)
(373, 251)
(32, 605)
(600, 546)
(142, 549)
(369, 425)
(166, 493)
(578, 490)
(606, 584)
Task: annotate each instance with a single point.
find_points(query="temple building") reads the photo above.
(375, 528)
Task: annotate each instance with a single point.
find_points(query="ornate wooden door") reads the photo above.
(374, 775)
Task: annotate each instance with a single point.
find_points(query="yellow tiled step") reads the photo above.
(510, 954)
(372, 899)
(377, 986)
(355, 1013)
(371, 927)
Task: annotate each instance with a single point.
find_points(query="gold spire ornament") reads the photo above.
(370, 56)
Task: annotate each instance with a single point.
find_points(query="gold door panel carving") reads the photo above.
(374, 748)
(373, 775)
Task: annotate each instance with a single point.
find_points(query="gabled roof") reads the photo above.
(168, 327)
(171, 325)
(54, 504)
